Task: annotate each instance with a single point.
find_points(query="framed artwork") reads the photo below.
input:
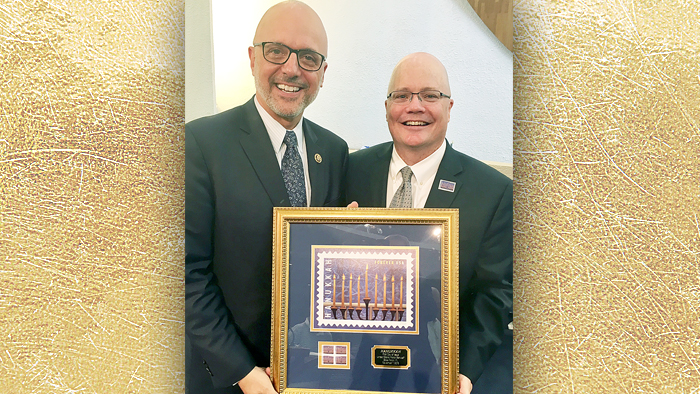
(365, 300)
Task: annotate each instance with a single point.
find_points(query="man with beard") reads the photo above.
(239, 165)
(419, 169)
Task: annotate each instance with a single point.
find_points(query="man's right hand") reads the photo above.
(257, 382)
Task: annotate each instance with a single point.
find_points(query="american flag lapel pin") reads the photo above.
(447, 186)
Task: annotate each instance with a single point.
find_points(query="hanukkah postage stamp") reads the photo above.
(365, 289)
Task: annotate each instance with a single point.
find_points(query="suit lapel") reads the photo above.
(448, 170)
(258, 148)
(377, 174)
(317, 158)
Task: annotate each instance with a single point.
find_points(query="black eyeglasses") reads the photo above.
(404, 96)
(277, 53)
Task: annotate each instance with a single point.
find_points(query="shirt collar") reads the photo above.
(276, 130)
(424, 169)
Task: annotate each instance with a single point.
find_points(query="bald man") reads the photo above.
(419, 169)
(239, 165)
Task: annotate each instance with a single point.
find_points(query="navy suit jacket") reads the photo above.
(485, 201)
(232, 182)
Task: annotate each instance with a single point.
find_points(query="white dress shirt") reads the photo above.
(422, 179)
(277, 132)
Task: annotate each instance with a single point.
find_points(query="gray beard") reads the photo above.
(266, 96)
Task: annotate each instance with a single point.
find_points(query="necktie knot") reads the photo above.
(290, 139)
(406, 173)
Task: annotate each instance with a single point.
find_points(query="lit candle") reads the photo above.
(392, 291)
(350, 290)
(358, 290)
(342, 292)
(401, 293)
(333, 290)
(385, 291)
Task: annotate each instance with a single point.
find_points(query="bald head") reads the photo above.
(294, 24)
(423, 66)
(285, 90)
(418, 126)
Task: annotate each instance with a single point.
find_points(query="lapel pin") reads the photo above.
(318, 158)
(447, 186)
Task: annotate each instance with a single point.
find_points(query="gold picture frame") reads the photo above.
(365, 300)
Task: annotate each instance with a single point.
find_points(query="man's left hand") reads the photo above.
(465, 385)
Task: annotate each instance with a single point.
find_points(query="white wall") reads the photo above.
(200, 98)
(366, 39)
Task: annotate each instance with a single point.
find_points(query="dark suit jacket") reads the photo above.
(232, 182)
(485, 201)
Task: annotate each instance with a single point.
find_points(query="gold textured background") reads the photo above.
(607, 196)
(91, 196)
(607, 191)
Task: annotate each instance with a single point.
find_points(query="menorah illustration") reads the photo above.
(383, 311)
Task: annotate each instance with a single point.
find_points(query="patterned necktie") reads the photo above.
(293, 171)
(404, 195)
